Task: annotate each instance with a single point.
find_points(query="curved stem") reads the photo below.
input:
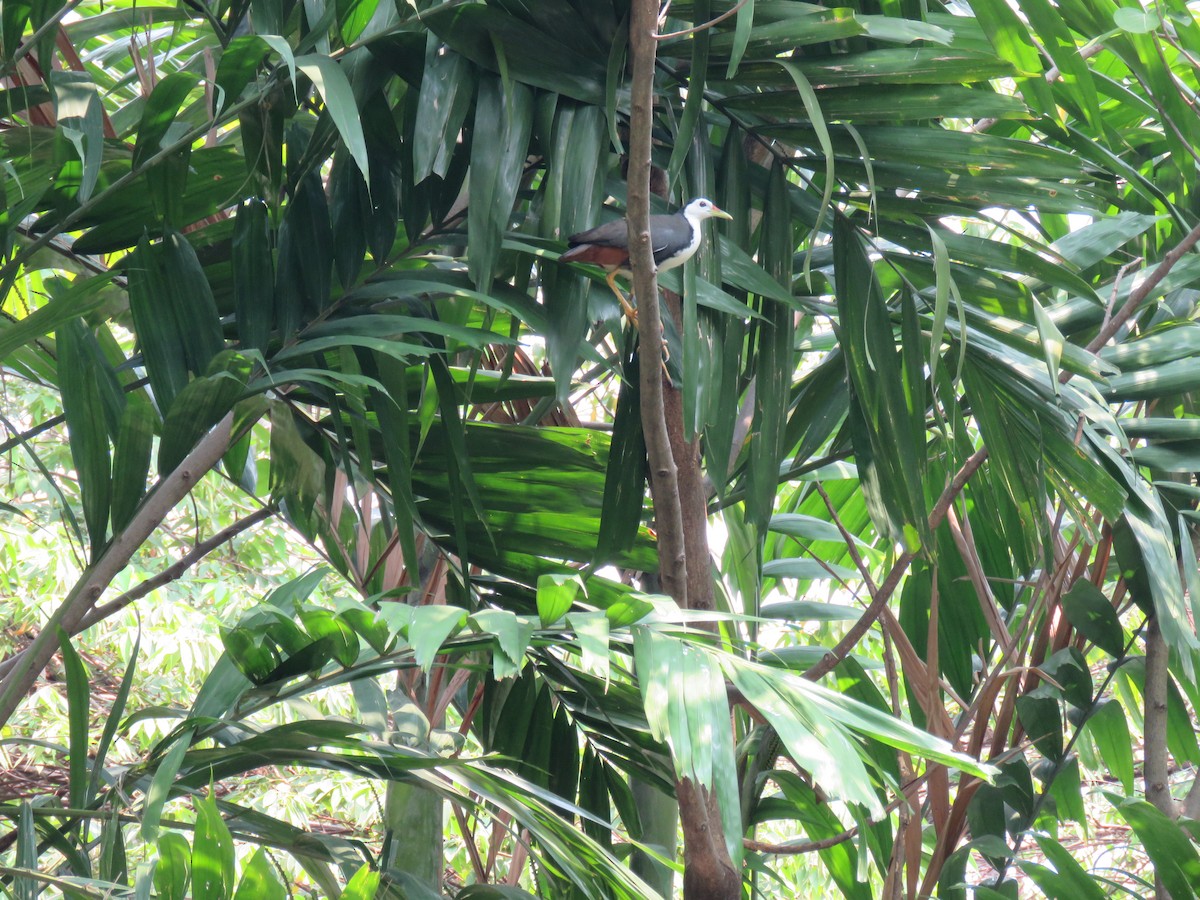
(709, 24)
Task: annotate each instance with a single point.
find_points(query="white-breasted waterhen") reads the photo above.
(674, 238)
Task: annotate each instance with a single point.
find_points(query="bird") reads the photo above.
(673, 239)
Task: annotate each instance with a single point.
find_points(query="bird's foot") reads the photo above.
(630, 312)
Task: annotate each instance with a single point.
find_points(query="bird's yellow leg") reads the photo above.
(631, 315)
(630, 312)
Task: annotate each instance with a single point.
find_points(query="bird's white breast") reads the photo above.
(691, 248)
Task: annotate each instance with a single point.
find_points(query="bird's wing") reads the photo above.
(610, 234)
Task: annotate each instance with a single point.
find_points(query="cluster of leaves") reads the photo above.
(920, 363)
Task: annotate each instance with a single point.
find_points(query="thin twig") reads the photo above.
(826, 663)
(1112, 301)
(970, 557)
(469, 841)
(851, 548)
(799, 847)
(167, 575)
(1142, 291)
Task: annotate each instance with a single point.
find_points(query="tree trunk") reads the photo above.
(708, 872)
(675, 478)
(413, 819)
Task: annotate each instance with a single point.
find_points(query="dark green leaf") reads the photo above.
(200, 405)
(78, 695)
(81, 371)
(889, 450)
(1042, 719)
(131, 460)
(1110, 731)
(499, 143)
(329, 79)
(253, 275)
(447, 88)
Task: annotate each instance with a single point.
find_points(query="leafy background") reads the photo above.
(939, 368)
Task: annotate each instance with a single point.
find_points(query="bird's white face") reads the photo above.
(703, 208)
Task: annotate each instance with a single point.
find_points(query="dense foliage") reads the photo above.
(939, 367)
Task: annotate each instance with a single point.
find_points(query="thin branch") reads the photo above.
(1112, 301)
(827, 662)
(893, 635)
(794, 849)
(46, 424)
(987, 600)
(469, 841)
(1142, 291)
(176, 569)
(851, 547)
(79, 602)
(167, 575)
(709, 24)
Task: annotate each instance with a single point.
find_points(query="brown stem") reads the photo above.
(1155, 771)
(693, 499)
(851, 547)
(668, 515)
(1139, 294)
(708, 869)
(708, 873)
